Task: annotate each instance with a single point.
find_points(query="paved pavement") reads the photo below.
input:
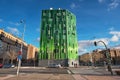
(35, 76)
(90, 71)
(72, 74)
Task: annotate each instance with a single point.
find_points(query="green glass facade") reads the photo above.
(58, 40)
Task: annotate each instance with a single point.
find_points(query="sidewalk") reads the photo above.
(73, 74)
(92, 71)
(36, 76)
(93, 77)
(59, 77)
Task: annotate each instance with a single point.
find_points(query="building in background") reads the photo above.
(99, 57)
(58, 40)
(10, 47)
(32, 52)
(32, 55)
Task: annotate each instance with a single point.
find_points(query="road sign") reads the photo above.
(19, 52)
(19, 57)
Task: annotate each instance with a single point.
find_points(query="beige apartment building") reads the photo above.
(98, 57)
(10, 46)
(32, 52)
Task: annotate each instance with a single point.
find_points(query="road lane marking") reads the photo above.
(69, 72)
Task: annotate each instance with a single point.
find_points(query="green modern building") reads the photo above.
(58, 40)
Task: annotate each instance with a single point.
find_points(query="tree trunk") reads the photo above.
(11, 61)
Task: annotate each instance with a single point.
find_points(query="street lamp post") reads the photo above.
(107, 56)
(20, 52)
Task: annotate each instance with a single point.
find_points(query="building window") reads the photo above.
(64, 32)
(64, 36)
(56, 50)
(63, 13)
(49, 15)
(73, 28)
(64, 28)
(69, 43)
(44, 14)
(59, 14)
(48, 41)
(50, 20)
(76, 52)
(72, 63)
(42, 27)
(49, 37)
(68, 32)
(48, 31)
(73, 33)
(56, 32)
(62, 50)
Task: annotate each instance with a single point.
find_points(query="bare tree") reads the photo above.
(9, 55)
(12, 55)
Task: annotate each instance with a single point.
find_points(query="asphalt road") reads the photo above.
(39, 73)
(13, 71)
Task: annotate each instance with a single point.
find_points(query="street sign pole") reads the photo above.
(20, 52)
(19, 60)
(18, 68)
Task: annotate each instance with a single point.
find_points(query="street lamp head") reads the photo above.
(22, 21)
(95, 43)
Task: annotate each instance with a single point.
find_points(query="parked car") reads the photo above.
(58, 65)
(8, 66)
(54, 65)
(51, 65)
(1, 65)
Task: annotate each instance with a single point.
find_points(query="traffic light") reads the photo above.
(95, 43)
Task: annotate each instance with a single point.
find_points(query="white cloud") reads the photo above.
(116, 47)
(83, 45)
(38, 39)
(72, 6)
(14, 23)
(14, 31)
(111, 29)
(115, 33)
(116, 36)
(38, 29)
(114, 4)
(82, 50)
(1, 20)
(76, 4)
(101, 1)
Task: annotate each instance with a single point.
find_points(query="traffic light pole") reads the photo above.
(107, 56)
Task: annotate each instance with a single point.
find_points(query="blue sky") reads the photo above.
(96, 20)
